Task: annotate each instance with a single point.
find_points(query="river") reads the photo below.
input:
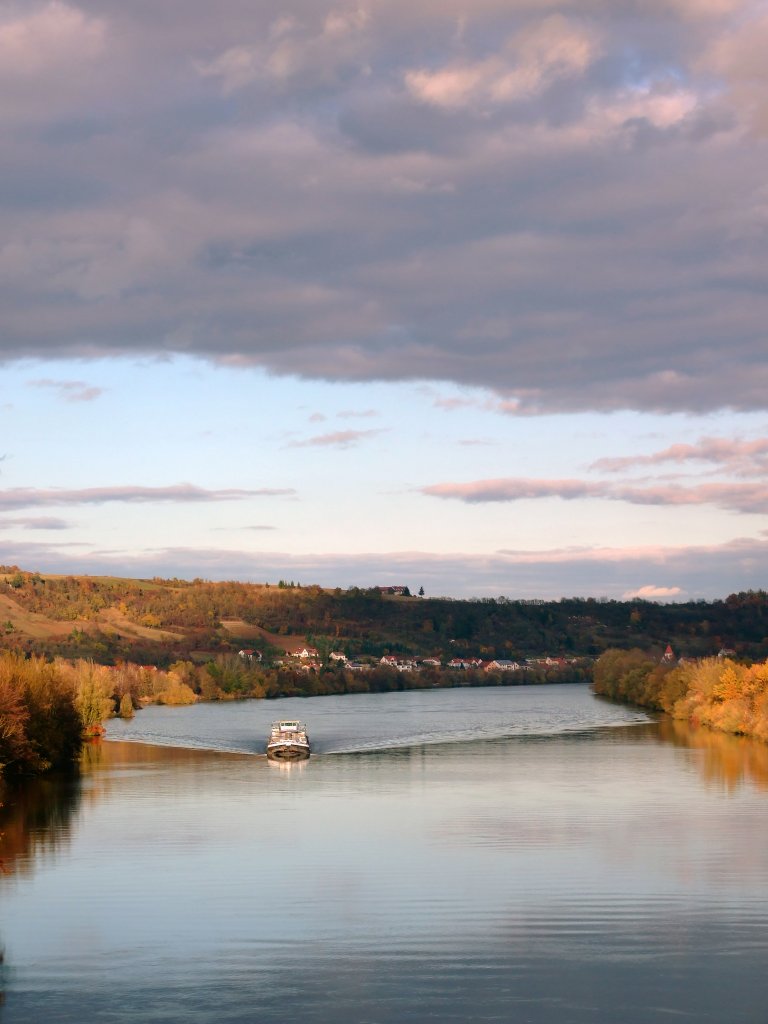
(520, 854)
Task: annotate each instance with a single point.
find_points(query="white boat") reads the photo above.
(288, 741)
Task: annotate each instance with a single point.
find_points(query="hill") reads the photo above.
(159, 621)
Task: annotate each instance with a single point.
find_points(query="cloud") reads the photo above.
(738, 56)
(536, 56)
(357, 414)
(699, 571)
(651, 593)
(452, 403)
(735, 497)
(515, 489)
(258, 528)
(70, 390)
(745, 458)
(294, 50)
(45, 59)
(562, 204)
(55, 36)
(336, 439)
(35, 523)
(31, 497)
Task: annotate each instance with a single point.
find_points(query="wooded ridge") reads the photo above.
(159, 621)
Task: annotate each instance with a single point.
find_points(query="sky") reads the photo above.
(469, 297)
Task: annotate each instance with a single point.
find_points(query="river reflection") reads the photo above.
(610, 876)
(35, 821)
(726, 761)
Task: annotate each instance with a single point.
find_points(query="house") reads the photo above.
(248, 654)
(337, 656)
(726, 652)
(434, 662)
(394, 591)
(401, 664)
(502, 665)
(669, 656)
(307, 652)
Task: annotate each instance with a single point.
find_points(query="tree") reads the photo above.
(126, 706)
(421, 591)
(93, 690)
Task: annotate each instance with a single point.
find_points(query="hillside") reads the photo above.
(159, 621)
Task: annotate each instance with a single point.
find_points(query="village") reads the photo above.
(309, 659)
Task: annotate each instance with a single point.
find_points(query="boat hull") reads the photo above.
(287, 752)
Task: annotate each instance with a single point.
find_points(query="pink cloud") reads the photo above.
(515, 489)
(70, 390)
(733, 453)
(736, 497)
(738, 57)
(651, 593)
(57, 34)
(527, 63)
(336, 439)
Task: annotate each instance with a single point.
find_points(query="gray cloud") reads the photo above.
(32, 497)
(700, 571)
(35, 523)
(396, 191)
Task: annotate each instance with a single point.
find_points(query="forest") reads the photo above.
(719, 693)
(47, 709)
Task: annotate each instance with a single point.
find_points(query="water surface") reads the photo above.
(577, 870)
(381, 721)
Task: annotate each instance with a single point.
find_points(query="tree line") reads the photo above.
(365, 622)
(715, 692)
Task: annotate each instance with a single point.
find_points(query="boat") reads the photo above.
(288, 741)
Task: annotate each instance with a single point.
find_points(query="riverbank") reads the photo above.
(47, 710)
(715, 692)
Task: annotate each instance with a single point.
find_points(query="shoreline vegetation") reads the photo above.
(49, 708)
(718, 693)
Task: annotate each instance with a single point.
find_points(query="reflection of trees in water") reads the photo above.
(727, 761)
(35, 819)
